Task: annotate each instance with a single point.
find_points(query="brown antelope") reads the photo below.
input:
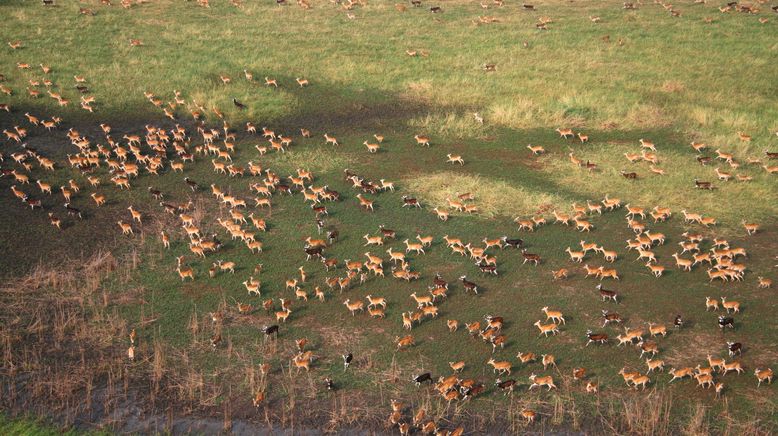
(655, 364)
(628, 376)
(561, 218)
(526, 357)
(704, 380)
(457, 366)
(633, 157)
(576, 256)
(536, 149)
(373, 240)
(730, 305)
(283, 315)
(723, 176)
(684, 264)
(501, 367)
(633, 211)
(764, 283)
(728, 157)
(559, 274)
(689, 246)
(717, 274)
(426, 241)
(404, 342)
(703, 371)
(762, 375)
(609, 255)
(252, 286)
(564, 133)
(554, 315)
(184, 272)
(330, 139)
(412, 246)
(678, 374)
(656, 270)
(711, 304)
(611, 203)
(640, 380)
(545, 329)
(422, 301)
(376, 301)
(605, 273)
(126, 228)
(657, 329)
(98, 198)
(547, 381)
(56, 222)
(529, 415)
(442, 214)
(647, 144)
(751, 228)
(422, 140)
(271, 82)
(525, 224)
(716, 363)
(733, 366)
(357, 306)
(455, 158)
(365, 203)
(591, 271)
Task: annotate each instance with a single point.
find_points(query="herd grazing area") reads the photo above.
(366, 217)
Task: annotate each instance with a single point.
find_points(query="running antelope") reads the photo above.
(501, 367)
(554, 315)
(542, 381)
(545, 329)
(455, 158)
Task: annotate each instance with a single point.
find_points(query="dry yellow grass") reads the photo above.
(492, 196)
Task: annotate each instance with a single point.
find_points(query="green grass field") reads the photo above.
(633, 74)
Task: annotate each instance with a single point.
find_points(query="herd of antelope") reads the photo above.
(109, 162)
